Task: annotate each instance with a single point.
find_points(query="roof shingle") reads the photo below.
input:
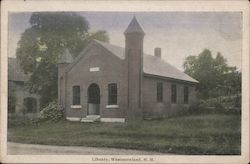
(151, 65)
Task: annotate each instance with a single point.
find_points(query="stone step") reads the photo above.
(87, 120)
(91, 118)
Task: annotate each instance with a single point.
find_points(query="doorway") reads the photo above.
(93, 99)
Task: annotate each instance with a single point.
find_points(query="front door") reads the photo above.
(93, 99)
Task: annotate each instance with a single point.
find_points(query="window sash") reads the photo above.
(173, 94)
(76, 95)
(159, 94)
(186, 95)
(112, 94)
(31, 104)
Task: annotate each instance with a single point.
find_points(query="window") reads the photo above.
(112, 94)
(30, 104)
(159, 92)
(173, 94)
(76, 95)
(186, 94)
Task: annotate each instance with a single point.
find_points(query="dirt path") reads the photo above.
(32, 149)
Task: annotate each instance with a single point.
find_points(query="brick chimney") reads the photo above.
(158, 52)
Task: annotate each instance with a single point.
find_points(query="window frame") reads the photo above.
(186, 95)
(30, 104)
(173, 94)
(112, 94)
(159, 92)
(76, 95)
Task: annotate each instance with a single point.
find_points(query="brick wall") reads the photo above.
(152, 108)
(110, 71)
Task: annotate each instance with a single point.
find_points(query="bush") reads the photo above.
(53, 112)
(225, 102)
(222, 104)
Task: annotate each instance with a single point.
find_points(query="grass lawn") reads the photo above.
(195, 134)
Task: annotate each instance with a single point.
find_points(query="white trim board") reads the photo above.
(94, 69)
(75, 106)
(122, 120)
(112, 106)
(73, 118)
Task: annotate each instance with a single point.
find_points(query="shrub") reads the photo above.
(52, 112)
(222, 104)
(225, 102)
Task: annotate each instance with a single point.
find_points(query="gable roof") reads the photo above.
(15, 72)
(151, 65)
(115, 50)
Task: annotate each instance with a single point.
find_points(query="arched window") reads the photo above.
(94, 94)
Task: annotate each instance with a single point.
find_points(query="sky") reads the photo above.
(178, 34)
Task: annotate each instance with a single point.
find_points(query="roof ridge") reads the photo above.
(164, 62)
(102, 42)
(151, 63)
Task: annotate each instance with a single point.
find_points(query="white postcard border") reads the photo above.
(132, 6)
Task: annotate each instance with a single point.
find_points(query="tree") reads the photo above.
(40, 47)
(215, 77)
(100, 35)
(11, 98)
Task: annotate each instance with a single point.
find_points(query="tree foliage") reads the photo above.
(11, 98)
(41, 44)
(215, 77)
